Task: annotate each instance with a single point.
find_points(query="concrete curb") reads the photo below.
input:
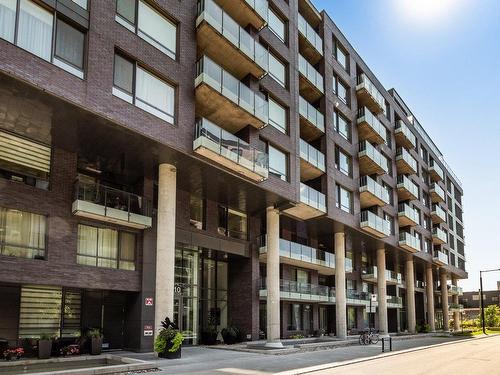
(327, 366)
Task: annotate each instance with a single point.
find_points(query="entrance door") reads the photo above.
(113, 320)
(186, 318)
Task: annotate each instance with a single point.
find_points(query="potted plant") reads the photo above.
(8, 354)
(168, 343)
(44, 346)
(210, 332)
(95, 341)
(230, 334)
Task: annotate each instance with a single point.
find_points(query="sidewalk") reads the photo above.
(205, 361)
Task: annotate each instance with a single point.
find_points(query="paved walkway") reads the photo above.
(205, 361)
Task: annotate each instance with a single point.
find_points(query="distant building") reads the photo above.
(472, 303)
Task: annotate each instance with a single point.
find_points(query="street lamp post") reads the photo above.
(481, 295)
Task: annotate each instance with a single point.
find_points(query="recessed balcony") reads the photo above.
(358, 298)
(300, 292)
(310, 43)
(439, 236)
(370, 128)
(375, 225)
(312, 121)
(393, 278)
(437, 193)
(405, 163)
(369, 274)
(223, 39)
(312, 204)
(224, 148)
(311, 83)
(404, 136)
(247, 12)
(435, 172)
(455, 307)
(303, 256)
(440, 258)
(438, 215)
(371, 193)
(109, 205)
(420, 285)
(407, 189)
(407, 216)
(224, 100)
(371, 161)
(455, 290)
(312, 162)
(409, 242)
(394, 302)
(368, 95)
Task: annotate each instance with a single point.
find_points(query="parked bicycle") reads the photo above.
(369, 337)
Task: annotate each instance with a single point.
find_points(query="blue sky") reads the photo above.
(445, 64)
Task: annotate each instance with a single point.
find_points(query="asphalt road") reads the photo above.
(476, 357)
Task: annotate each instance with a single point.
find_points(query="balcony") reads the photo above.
(435, 172)
(375, 225)
(106, 204)
(357, 298)
(226, 149)
(407, 216)
(393, 278)
(405, 163)
(369, 274)
(438, 215)
(312, 162)
(370, 128)
(247, 12)
(455, 307)
(310, 43)
(371, 161)
(407, 189)
(440, 258)
(394, 302)
(437, 193)
(300, 292)
(371, 193)
(311, 85)
(312, 121)
(455, 290)
(409, 242)
(312, 204)
(368, 95)
(404, 136)
(439, 236)
(420, 285)
(224, 100)
(303, 256)
(221, 37)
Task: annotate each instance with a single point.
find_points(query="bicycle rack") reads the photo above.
(383, 343)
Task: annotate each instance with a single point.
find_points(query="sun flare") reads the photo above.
(428, 10)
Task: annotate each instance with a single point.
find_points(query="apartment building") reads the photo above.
(471, 302)
(217, 162)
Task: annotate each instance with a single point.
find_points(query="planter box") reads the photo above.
(96, 345)
(170, 355)
(44, 349)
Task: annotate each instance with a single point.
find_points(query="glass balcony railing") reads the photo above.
(310, 34)
(403, 154)
(364, 115)
(260, 6)
(393, 277)
(439, 212)
(372, 221)
(357, 295)
(438, 190)
(364, 83)
(404, 210)
(311, 74)
(407, 239)
(303, 253)
(394, 300)
(300, 291)
(439, 234)
(367, 149)
(420, 284)
(366, 183)
(312, 155)
(311, 114)
(455, 306)
(96, 200)
(227, 145)
(441, 256)
(210, 12)
(454, 289)
(407, 184)
(231, 88)
(434, 167)
(312, 197)
(402, 128)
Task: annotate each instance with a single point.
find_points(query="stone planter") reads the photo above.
(44, 349)
(96, 345)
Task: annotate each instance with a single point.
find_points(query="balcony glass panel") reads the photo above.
(369, 219)
(260, 6)
(438, 190)
(312, 115)
(406, 183)
(403, 154)
(357, 295)
(369, 184)
(436, 168)
(406, 210)
(439, 233)
(401, 127)
(312, 155)
(366, 148)
(441, 256)
(365, 83)
(312, 197)
(312, 75)
(437, 210)
(408, 239)
(364, 114)
(310, 34)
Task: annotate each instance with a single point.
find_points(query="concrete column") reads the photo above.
(165, 244)
(456, 313)
(430, 297)
(382, 293)
(273, 278)
(340, 286)
(444, 299)
(410, 294)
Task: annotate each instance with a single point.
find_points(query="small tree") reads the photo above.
(492, 316)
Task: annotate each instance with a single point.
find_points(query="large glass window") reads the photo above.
(149, 24)
(343, 162)
(276, 25)
(35, 29)
(278, 164)
(105, 247)
(22, 234)
(277, 70)
(342, 126)
(344, 199)
(8, 19)
(140, 87)
(69, 47)
(341, 90)
(299, 317)
(341, 55)
(277, 116)
(232, 223)
(196, 211)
